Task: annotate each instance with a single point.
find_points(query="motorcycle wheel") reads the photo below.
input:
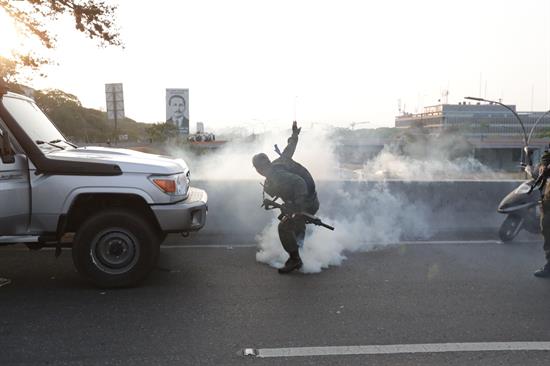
(510, 228)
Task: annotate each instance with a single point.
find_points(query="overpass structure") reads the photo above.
(501, 153)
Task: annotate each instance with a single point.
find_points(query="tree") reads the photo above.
(160, 132)
(8, 69)
(81, 124)
(94, 18)
(543, 133)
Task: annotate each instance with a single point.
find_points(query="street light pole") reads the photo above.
(525, 150)
(535, 125)
(525, 140)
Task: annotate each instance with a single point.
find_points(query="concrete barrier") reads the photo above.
(235, 213)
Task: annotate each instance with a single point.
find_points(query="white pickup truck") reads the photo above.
(113, 207)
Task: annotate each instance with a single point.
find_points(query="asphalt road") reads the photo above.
(204, 305)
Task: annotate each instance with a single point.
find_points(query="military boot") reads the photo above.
(294, 262)
(544, 272)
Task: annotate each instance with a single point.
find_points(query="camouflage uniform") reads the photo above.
(292, 182)
(545, 212)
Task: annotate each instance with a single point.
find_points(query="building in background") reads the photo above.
(200, 127)
(493, 130)
(474, 120)
(177, 109)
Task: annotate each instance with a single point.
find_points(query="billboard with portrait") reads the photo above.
(177, 109)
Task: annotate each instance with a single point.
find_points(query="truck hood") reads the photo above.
(129, 161)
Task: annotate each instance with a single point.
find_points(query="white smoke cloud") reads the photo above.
(377, 217)
(233, 161)
(389, 165)
(365, 219)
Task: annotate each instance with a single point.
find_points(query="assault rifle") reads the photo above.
(285, 212)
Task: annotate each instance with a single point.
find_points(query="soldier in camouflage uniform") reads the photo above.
(545, 216)
(291, 182)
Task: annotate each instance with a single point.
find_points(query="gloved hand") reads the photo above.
(295, 129)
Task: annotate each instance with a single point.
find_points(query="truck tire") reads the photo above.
(115, 248)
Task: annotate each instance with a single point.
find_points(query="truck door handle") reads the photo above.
(10, 176)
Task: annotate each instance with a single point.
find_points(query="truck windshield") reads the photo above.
(35, 123)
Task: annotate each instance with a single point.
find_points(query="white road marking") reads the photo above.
(398, 349)
(251, 245)
(223, 246)
(405, 242)
(448, 242)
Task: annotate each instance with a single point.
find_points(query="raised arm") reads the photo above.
(290, 148)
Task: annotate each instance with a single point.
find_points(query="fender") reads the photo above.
(71, 197)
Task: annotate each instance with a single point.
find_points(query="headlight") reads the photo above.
(174, 185)
(523, 188)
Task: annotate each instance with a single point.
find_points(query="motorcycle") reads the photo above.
(520, 205)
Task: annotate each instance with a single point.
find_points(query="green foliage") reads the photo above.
(447, 145)
(33, 18)
(161, 132)
(84, 124)
(8, 69)
(543, 133)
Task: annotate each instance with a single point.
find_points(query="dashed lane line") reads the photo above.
(396, 349)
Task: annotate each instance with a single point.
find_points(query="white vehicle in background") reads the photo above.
(113, 207)
(202, 137)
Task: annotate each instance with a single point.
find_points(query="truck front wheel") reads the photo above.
(115, 248)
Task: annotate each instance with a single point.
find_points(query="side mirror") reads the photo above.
(8, 157)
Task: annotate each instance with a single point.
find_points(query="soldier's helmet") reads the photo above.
(261, 162)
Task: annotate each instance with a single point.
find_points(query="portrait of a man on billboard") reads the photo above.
(177, 109)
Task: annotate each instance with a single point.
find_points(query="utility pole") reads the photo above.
(115, 112)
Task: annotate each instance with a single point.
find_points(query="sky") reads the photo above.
(260, 64)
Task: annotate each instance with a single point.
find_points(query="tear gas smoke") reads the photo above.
(364, 220)
(366, 217)
(426, 158)
(389, 165)
(234, 160)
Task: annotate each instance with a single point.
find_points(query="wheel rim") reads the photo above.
(115, 251)
(511, 227)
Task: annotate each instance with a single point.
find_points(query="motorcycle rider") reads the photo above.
(544, 271)
(293, 183)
